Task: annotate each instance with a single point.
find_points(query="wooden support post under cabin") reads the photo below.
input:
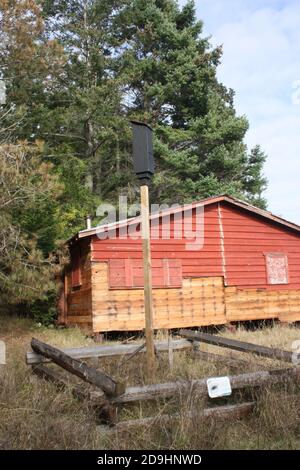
(98, 338)
(107, 412)
(150, 352)
(170, 351)
(86, 373)
(273, 353)
(221, 412)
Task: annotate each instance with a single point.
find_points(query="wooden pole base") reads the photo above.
(150, 351)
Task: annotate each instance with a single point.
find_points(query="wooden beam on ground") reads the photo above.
(264, 351)
(114, 350)
(80, 369)
(107, 412)
(199, 386)
(219, 413)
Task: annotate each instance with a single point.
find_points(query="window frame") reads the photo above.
(167, 280)
(76, 281)
(273, 255)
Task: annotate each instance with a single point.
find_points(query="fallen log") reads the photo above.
(221, 412)
(114, 350)
(199, 386)
(80, 369)
(106, 411)
(273, 353)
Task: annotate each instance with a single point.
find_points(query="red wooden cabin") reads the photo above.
(247, 269)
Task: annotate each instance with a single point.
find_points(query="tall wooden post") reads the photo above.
(147, 283)
(144, 168)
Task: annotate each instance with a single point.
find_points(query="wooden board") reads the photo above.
(79, 298)
(199, 386)
(220, 413)
(262, 304)
(199, 301)
(80, 369)
(112, 350)
(273, 353)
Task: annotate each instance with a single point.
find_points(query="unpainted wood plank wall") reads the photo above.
(262, 304)
(200, 301)
(79, 301)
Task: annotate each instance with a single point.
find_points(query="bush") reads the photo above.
(42, 311)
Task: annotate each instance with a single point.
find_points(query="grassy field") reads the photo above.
(34, 414)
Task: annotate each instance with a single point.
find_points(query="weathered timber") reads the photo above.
(221, 412)
(170, 355)
(199, 386)
(88, 374)
(106, 411)
(148, 297)
(198, 302)
(109, 351)
(264, 351)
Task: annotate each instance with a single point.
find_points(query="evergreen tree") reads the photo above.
(29, 194)
(29, 64)
(146, 60)
(170, 72)
(87, 117)
(90, 66)
(33, 65)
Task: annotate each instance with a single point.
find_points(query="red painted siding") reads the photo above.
(236, 243)
(203, 262)
(247, 240)
(128, 273)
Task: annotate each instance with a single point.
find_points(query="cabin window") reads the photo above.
(128, 273)
(277, 268)
(76, 271)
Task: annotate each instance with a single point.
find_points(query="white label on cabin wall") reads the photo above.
(218, 387)
(2, 353)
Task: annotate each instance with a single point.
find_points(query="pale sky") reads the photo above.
(261, 62)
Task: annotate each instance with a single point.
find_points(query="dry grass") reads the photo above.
(36, 415)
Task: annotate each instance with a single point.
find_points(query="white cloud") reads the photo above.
(261, 43)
